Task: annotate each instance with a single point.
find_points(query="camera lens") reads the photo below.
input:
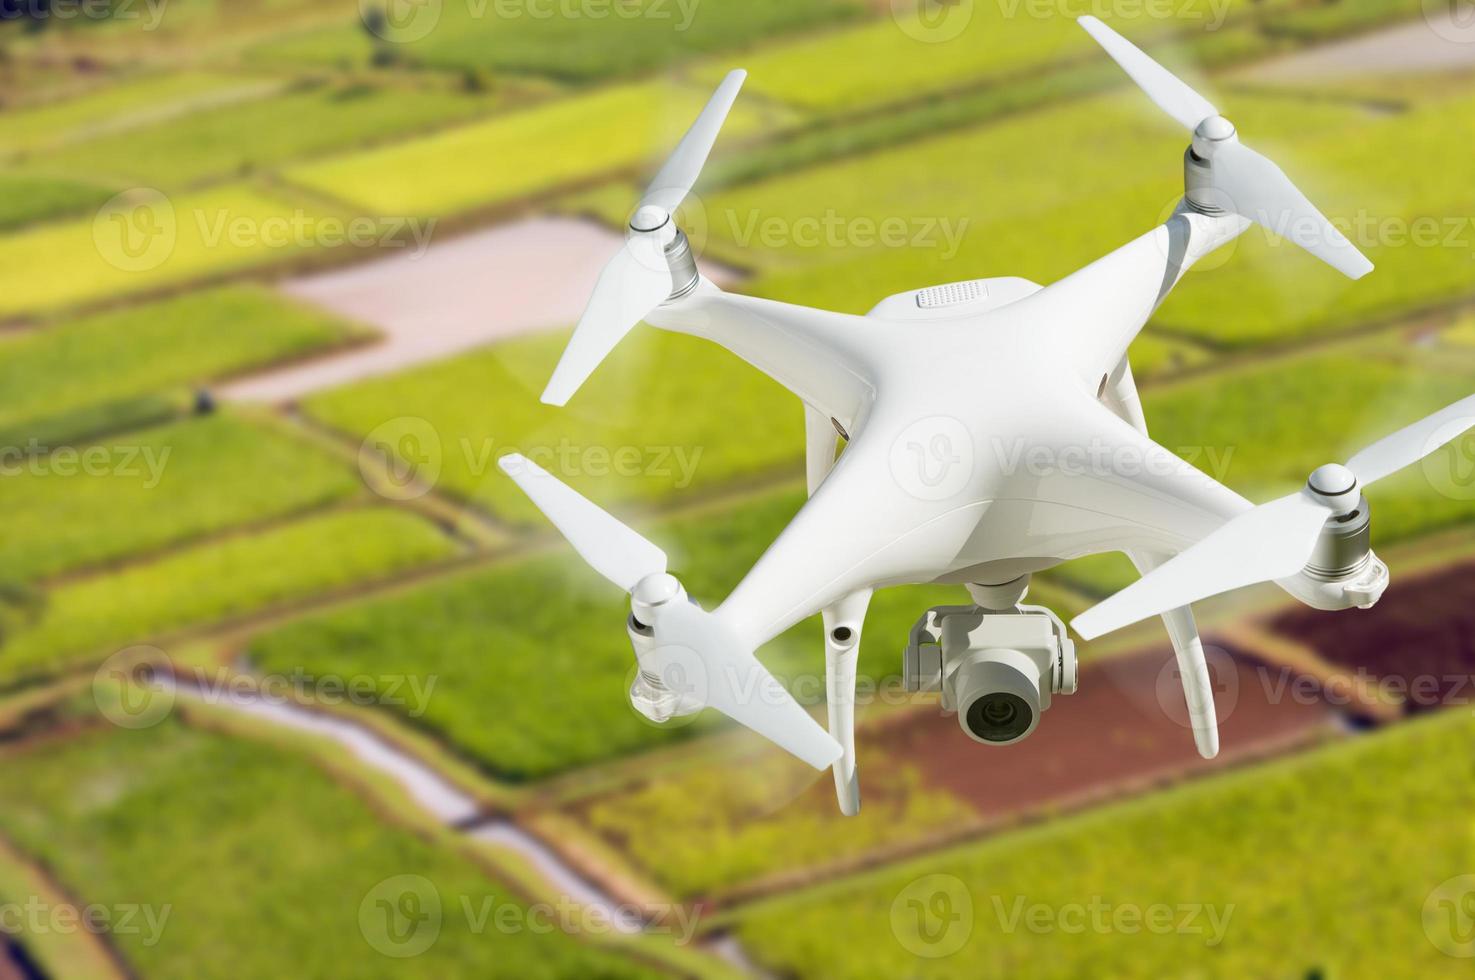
(999, 717)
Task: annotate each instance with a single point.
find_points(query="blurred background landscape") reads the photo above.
(294, 682)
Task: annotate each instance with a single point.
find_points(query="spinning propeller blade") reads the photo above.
(1276, 539)
(609, 547)
(1243, 181)
(1171, 93)
(704, 646)
(638, 278)
(669, 187)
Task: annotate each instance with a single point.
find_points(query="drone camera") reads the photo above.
(996, 670)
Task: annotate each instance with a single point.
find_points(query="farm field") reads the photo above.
(769, 823)
(363, 531)
(224, 229)
(157, 487)
(248, 136)
(109, 809)
(1318, 837)
(24, 200)
(484, 404)
(132, 102)
(596, 133)
(531, 39)
(82, 621)
(937, 49)
(67, 375)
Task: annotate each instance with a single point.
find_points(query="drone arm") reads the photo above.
(1193, 669)
(1095, 313)
(820, 356)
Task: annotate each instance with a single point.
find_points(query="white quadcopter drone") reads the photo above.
(992, 429)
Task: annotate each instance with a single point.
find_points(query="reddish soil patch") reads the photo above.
(1418, 642)
(1124, 729)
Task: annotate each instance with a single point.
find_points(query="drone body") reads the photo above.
(992, 429)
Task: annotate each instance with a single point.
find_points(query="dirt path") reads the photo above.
(1427, 44)
(455, 295)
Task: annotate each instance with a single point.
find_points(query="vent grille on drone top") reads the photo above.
(951, 294)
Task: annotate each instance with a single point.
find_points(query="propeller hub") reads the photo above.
(649, 217)
(1332, 480)
(652, 592)
(1335, 486)
(1210, 134)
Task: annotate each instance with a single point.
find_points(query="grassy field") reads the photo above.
(24, 199)
(159, 243)
(92, 366)
(146, 490)
(521, 153)
(484, 404)
(752, 822)
(940, 50)
(132, 102)
(232, 835)
(88, 618)
(618, 39)
(250, 136)
(1319, 839)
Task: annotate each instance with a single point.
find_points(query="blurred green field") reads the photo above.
(158, 487)
(128, 103)
(1319, 840)
(485, 404)
(595, 41)
(145, 818)
(247, 136)
(24, 199)
(943, 48)
(752, 823)
(159, 243)
(79, 372)
(523, 152)
(82, 621)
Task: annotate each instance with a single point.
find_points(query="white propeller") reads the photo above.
(704, 646)
(1276, 539)
(638, 278)
(1243, 181)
